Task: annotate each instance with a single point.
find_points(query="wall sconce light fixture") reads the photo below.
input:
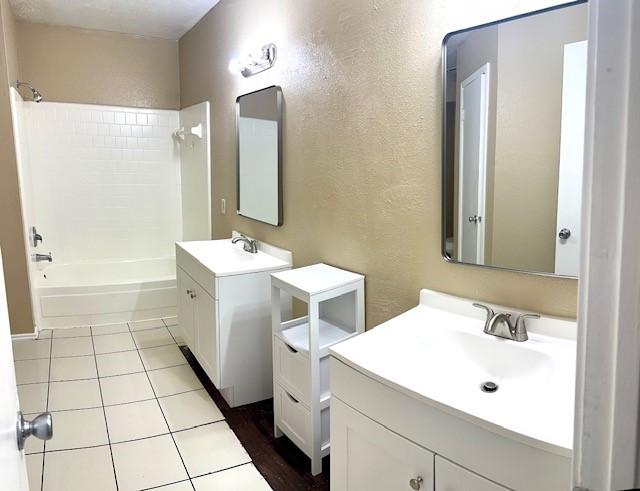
(252, 65)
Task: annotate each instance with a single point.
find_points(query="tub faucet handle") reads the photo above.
(35, 237)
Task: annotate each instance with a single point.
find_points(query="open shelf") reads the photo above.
(295, 333)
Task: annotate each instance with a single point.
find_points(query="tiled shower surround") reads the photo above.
(106, 180)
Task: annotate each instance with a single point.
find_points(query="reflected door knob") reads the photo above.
(416, 483)
(41, 427)
(475, 219)
(564, 234)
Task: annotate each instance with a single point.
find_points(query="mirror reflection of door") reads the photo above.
(574, 93)
(474, 114)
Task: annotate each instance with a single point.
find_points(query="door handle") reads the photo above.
(475, 219)
(41, 427)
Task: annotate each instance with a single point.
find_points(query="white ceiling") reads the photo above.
(168, 19)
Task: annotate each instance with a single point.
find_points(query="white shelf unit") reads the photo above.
(335, 300)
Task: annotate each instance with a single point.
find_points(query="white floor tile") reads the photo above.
(210, 448)
(169, 381)
(73, 368)
(33, 398)
(190, 409)
(125, 388)
(243, 478)
(162, 357)
(135, 420)
(32, 371)
(112, 343)
(74, 332)
(147, 324)
(77, 394)
(34, 471)
(179, 486)
(71, 347)
(170, 321)
(119, 363)
(109, 329)
(153, 337)
(30, 349)
(79, 470)
(147, 463)
(176, 332)
(78, 429)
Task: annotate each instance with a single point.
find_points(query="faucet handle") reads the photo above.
(487, 309)
(520, 331)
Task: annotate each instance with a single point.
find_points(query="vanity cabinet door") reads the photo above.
(205, 320)
(365, 456)
(452, 477)
(185, 307)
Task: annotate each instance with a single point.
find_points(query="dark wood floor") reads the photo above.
(284, 466)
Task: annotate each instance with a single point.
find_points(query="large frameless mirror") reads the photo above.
(259, 155)
(513, 131)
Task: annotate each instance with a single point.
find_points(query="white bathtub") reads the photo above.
(103, 293)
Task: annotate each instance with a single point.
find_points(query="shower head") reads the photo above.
(37, 96)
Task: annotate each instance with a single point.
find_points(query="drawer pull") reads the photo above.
(293, 399)
(416, 483)
(291, 348)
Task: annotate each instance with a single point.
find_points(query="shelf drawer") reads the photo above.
(294, 419)
(292, 370)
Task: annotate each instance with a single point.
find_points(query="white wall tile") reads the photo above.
(106, 181)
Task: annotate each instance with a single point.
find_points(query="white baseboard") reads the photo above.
(30, 335)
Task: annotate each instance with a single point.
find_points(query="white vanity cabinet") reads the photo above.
(408, 412)
(197, 312)
(224, 313)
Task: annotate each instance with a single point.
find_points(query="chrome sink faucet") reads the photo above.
(499, 324)
(249, 245)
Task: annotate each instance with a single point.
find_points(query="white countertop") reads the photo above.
(438, 354)
(223, 258)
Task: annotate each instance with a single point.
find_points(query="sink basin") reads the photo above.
(438, 353)
(223, 258)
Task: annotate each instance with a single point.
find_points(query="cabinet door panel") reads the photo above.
(207, 334)
(367, 456)
(185, 307)
(452, 477)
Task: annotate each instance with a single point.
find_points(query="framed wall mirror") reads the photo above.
(513, 138)
(259, 155)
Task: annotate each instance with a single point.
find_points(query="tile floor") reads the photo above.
(129, 414)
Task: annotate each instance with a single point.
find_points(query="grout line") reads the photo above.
(169, 432)
(104, 413)
(225, 469)
(44, 446)
(162, 412)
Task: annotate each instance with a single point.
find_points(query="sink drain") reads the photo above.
(488, 387)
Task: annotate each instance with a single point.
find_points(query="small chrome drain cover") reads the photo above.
(488, 387)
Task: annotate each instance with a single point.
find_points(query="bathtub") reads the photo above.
(81, 294)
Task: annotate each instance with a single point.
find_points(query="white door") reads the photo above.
(186, 288)
(13, 468)
(366, 456)
(474, 116)
(452, 477)
(574, 93)
(206, 332)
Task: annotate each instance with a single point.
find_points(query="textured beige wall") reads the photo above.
(527, 150)
(94, 67)
(362, 128)
(11, 236)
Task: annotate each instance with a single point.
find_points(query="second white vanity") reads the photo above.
(408, 409)
(224, 311)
